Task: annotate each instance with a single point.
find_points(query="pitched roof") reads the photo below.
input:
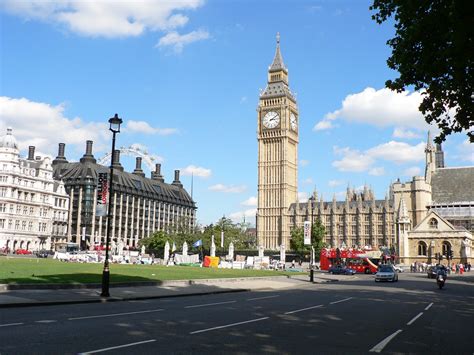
(451, 185)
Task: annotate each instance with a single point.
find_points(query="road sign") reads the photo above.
(307, 233)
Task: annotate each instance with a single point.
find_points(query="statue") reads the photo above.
(143, 249)
(166, 255)
(185, 249)
(213, 246)
(282, 254)
(231, 251)
(466, 248)
(260, 251)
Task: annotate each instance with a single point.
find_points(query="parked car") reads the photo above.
(42, 253)
(386, 273)
(22, 252)
(432, 271)
(340, 270)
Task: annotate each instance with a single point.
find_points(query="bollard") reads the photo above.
(311, 275)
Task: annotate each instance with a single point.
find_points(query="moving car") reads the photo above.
(340, 270)
(386, 273)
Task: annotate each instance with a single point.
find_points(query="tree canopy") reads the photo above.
(433, 51)
(317, 237)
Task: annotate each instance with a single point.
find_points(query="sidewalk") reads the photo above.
(54, 296)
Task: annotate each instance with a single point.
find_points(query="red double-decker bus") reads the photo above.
(359, 260)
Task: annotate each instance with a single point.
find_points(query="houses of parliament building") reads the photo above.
(431, 213)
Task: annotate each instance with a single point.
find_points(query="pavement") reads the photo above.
(43, 295)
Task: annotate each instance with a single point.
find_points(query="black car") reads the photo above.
(42, 253)
(340, 270)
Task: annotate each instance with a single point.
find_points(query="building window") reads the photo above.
(433, 223)
(422, 248)
(446, 246)
(2, 223)
(3, 192)
(3, 207)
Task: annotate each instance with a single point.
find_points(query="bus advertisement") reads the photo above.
(359, 260)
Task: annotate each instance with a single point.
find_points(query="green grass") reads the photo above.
(49, 271)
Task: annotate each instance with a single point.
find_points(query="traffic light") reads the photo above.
(450, 253)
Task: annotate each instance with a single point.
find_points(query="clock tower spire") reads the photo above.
(277, 135)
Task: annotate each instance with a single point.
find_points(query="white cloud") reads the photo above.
(105, 18)
(304, 162)
(228, 189)
(378, 171)
(252, 201)
(145, 128)
(413, 171)
(239, 216)
(334, 183)
(196, 171)
(44, 126)
(396, 152)
(303, 196)
(405, 133)
(177, 41)
(467, 151)
(308, 181)
(381, 108)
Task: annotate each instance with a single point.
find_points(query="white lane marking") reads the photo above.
(262, 298)
(304, 309)
(116, 314)
(118, 347)
(429, 306)
(415, 318)
(228, 325)
(209, 304)
(344, 300)
(379, 347)
(46, 321)
(10, 324)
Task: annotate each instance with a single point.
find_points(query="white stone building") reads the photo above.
(33, 206)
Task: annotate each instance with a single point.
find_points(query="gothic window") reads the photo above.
(433, 223)
(422, 248)
(446, 246)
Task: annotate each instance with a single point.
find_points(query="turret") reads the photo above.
(156, 175)
(138, 168)
(430, 154)
(176, 179)
(60, 159)
(88, 157)
(116, 160)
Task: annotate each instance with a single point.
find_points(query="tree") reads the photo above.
(317, 237)
(433, 51)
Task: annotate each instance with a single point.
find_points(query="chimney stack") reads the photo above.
(176, 179)
(116, 160)
(31, 152)
(60, 159)
(88, 157)
(138, 168)
(156, 175)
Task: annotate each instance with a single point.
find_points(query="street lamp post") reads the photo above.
(311, 267)
(115, 123)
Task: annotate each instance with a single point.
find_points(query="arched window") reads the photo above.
(422, 248)
(446, 246)
(433, 223)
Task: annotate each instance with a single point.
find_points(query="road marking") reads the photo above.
(344, 300)
(117, 314)
(228, 325)
(118, 347)
(304, 309)
(10, 324)
(415, 318)
(262, 298)
(46, 321)
(209, 304)
(379, 347)
(429, 306)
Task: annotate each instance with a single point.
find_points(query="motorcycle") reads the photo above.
(440, 280)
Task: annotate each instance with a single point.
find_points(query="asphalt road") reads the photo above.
(354, 315)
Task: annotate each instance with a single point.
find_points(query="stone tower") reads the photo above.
(277, 134)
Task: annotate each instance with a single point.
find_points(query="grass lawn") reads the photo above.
(49, 271)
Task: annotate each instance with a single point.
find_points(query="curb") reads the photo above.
(114, 299)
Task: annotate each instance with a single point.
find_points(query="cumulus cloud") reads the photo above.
(251, 201)
(303, 196)
(381, 108)
(334, 183)
(405, 133)
(44, 125)
(413, 171)
(304, 162)
(177, 42)
(196, 171)
(308, 181)
(145, 128)
(105, 18)
(228, 189)
(397, 152)
(239, 216)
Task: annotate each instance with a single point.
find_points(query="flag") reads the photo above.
(198, 243)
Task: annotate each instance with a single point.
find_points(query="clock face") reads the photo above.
(293, 122)
(271, 119)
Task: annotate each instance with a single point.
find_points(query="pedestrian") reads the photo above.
(461, 268)
(293, 264)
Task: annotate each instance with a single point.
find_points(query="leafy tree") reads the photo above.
(433, 51)
(317, 237)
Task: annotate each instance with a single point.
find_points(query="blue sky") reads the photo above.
(185, 77)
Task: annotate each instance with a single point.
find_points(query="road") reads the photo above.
(355, 315)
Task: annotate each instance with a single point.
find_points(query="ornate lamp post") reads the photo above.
(115, 123)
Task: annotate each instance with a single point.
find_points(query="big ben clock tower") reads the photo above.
(277, 134)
